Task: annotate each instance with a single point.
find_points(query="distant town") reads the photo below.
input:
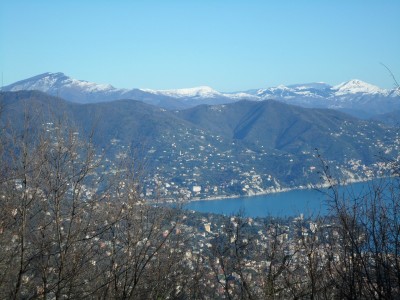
(204, 172)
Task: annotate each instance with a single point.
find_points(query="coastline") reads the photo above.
(283, 190)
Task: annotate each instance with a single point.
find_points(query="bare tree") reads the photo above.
(73, 226)
(366, 239)
(230, 253)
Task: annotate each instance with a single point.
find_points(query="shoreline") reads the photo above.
(282, 190)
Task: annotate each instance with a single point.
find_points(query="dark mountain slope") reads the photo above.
(293, 129)
(126, 120)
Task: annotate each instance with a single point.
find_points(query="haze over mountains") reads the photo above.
(356, 97)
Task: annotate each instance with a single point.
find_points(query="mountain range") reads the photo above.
(355, 97)
(244, 147)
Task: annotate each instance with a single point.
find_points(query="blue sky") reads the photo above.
(228, 45)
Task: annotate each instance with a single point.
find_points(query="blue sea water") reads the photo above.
(283, 204)
(309, 202)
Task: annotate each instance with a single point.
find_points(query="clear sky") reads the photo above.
(228, 45)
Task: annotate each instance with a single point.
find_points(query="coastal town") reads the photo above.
(195, 166)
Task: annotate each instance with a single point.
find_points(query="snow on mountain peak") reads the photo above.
(201, 91)
(43, 82)
(89, 86)
(50, 82)
(395, 92)
(312, 85)
(307, 94)
(356, 86)
(282, 87)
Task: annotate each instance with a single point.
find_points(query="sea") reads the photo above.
(306, 202)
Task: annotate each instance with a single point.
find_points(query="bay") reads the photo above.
(309, 202)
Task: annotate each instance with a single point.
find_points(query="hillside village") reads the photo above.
(203, 172)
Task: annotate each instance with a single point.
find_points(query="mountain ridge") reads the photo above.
(356, 97)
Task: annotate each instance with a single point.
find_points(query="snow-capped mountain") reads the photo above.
(320, 89)
(199, 92)
(357, 87)
(58, 84)
(50, 82)
(355, 96)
